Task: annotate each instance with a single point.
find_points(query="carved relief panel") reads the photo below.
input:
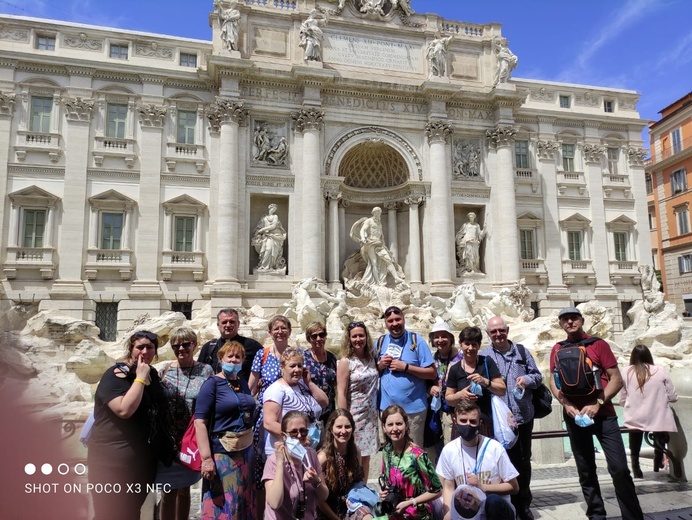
(269, 143)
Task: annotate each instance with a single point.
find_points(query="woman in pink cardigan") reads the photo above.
(646, 393)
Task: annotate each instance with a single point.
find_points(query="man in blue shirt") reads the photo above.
(404, 363)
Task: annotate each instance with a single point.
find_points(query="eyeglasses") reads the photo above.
(316, 335)
(301, 432)
(280, 329)
(497, 331)
(356, 324)
(146, 334)
(391, 310)
(184, 344)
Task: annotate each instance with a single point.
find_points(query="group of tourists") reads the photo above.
(287, 433)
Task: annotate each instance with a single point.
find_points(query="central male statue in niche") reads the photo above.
(468, 241)
(379, 261)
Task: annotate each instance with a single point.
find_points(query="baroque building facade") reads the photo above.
(135, 167)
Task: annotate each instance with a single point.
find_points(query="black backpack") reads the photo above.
(541, 397)
(574, 371)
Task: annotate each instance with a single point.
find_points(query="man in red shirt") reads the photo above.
(599, 408)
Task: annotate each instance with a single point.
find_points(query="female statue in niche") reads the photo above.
(268, 240)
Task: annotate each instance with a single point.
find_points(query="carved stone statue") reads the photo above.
(436, 53)
(311, 36)
(468, 241)
(507, 61)
(405, 6)
(379, 262)
(229, 21)
(335, 322)
(467, 159)
(651, 289)
(268, 240)
(278, 154)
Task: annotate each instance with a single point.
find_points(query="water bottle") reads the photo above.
(435, 403)
(518, 393)
(556, 377)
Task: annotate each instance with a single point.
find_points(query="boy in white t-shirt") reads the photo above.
(475, 460)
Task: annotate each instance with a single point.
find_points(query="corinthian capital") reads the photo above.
(593, 152)
(6, 104)
(78, 109)
(224, 111)
(637, 155)
(438, 130)
(501, 135)
(307, 118)
(152, 115)
(413, 200)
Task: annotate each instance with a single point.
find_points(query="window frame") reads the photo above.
(676, 140)
(46, 117)
(565, 101)
(102, 228)
(678, 181)
(685, 263)
(568, 161)
(187, 56)
(609, 106)
(45, 42)
(119, 51)
(571, 233)
(530, 248)
(613, 162)
(192, 231)
(649, 182)
(522, 157)
(119, 123)
(23, 228)
(187, 128)
(682, 219)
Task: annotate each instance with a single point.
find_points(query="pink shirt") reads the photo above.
(293, 483)
(648, 410)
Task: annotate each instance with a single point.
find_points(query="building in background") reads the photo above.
(135, 167)
(669, 199)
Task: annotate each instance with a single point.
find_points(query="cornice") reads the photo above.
(42, 68)
(153, 78)
(113, 75)
(465, 189)
(372, 95)
(268, 180)
(79, 71)
(113, 174)
(16, 169)
(203, 85)
(185, 179)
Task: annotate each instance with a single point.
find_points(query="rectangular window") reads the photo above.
(183, 307)
(652, 221)
(678, 180)
(613, 158)
(685, 263)
(34, 227)
(676, 139)
(41, 109)
(45, 43)
(188, 60)
(649, 184)
(609, 106)
(528, 244)
(565, 102)
(117, 118)
(107, 320)
(187, 122)
(682, 216)
(620, 239)
(119, 52)
(111, 230)
(574, 244)
(184, 233)
(568, 157)
(521, 154)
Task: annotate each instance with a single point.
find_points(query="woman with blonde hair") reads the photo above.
(356, 384)
(322, 365)
(646, 395)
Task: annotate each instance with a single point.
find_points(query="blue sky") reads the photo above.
(642, 45)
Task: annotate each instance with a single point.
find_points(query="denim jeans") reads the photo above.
(607, 432)
(497, 508)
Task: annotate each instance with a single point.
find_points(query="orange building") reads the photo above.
(669, 196)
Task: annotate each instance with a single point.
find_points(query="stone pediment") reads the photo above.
(622, 221)
(184, 202)
(577, 218)
(33, 194)
(112, 198)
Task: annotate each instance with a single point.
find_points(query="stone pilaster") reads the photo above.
(7, 104)
(504, 217)
(392, 229)
(333, 197)
(414, 237)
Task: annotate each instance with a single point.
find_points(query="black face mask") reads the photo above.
(467, 432)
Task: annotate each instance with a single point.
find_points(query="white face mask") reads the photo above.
(295, 448)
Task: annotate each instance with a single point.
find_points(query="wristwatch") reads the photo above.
(600, 401)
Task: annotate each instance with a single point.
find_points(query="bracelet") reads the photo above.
(406, 369)
(415, 504)
(138, 380)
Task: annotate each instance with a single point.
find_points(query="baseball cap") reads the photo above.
(467, 502)
(569, 310)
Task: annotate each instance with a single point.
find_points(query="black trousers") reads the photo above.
(520, 455)
(607, 432)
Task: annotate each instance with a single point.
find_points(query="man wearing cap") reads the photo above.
(478, 462)
(446, 355)
(521, 375)
(600, 410)
(228, 321)
(404, 363)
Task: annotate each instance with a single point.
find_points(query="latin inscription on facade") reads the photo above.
(269, 94)
(359, 103)
(371, 53)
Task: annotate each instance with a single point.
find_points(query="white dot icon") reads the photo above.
(29, 469)
(46, 469)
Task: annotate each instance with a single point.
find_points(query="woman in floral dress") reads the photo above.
(356, 383)
(322, 366)
(407, 467)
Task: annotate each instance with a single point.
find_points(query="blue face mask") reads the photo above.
(518, 393)
(583, 420)
(314, 434)
(475, 388)
(295, 448)
(231, 369)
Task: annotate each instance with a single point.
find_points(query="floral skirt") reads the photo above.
(230, 494)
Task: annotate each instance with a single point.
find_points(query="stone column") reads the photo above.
(343, 232)
(308, 121)
(71, 247)
(442, 249)
(414, 237)
(504, 218)
(334, 197)
(226, 117)
(392, 230)
(127, 219)
(7, 104)
(592, 160)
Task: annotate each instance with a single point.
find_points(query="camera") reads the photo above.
(388, 504)
(300, 508)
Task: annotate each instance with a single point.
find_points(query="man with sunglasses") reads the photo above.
(405, 364)
(228, 321)
(522, 376)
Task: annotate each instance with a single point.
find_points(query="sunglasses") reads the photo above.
(302, 432)
(316, 335)
(146, 334)
(392, 310)
(184, 344)
(356, 324)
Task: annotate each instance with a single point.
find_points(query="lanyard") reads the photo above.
(479, 461)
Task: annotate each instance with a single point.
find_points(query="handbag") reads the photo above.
(504, 424)
(541, 398)
(188, 453)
